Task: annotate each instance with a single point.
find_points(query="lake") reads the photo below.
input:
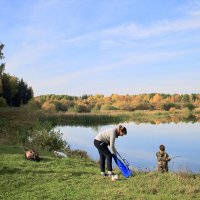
(142, 142)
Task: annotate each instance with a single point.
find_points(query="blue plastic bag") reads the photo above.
(123, 167)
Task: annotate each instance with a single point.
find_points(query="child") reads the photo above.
(162, 159)
(31, 155)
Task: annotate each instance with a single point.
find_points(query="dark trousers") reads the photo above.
(105, 154)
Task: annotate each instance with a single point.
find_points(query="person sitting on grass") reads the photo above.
(31, 155)
(162, 159)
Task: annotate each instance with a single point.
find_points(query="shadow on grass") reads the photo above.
(15, 170)
(6, 170)
(45, 159)
(11, 149)
(80, 173)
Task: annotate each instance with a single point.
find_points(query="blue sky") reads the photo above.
(80, 47)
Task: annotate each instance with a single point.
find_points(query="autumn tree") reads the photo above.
(156, 98)
(153, 101)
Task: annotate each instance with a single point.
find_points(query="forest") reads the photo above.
(92, 103)
(13, 91)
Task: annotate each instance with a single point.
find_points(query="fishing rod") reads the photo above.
(175, 157)
(124, 160)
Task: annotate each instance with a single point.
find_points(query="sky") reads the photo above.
(78, 47)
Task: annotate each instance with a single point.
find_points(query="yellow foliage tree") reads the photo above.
(48, 106)
(156, 98)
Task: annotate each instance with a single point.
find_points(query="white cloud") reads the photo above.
(135, 31)
(27, 55)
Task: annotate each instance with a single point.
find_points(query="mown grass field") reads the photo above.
(76, 178)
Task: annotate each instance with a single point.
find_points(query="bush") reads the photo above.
(96, 107)
(49, 107)
(144, 106)
(48, 138)
(186, 111)
(190, 106)
(167, 106)
(197, 110)
(2, 102)
(61, 106)
(78, 153)
(172, 110)
(108, 107)
(82, 108)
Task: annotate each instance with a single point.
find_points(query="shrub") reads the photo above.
(108, 107)
(48, 107)
(78, 153)
(197, 110)
(190, 106)
(96, 107)
(82, 108)
(48, 138)
(2, 102)
(167, 106)
(172, 110)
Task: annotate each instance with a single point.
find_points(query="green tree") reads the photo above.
(2, 68)
(15, 92)
(186, 98)
(194, 97)
(6, 90)
(13, 83)
(25, 92)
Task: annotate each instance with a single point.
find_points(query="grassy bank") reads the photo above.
(73, 178)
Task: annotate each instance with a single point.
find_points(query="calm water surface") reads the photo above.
(141, 143)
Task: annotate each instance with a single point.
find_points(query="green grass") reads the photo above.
(74, 178)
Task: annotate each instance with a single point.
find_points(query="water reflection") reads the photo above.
(142, 142)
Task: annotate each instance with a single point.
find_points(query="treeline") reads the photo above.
(13, 91)
(92, 103)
